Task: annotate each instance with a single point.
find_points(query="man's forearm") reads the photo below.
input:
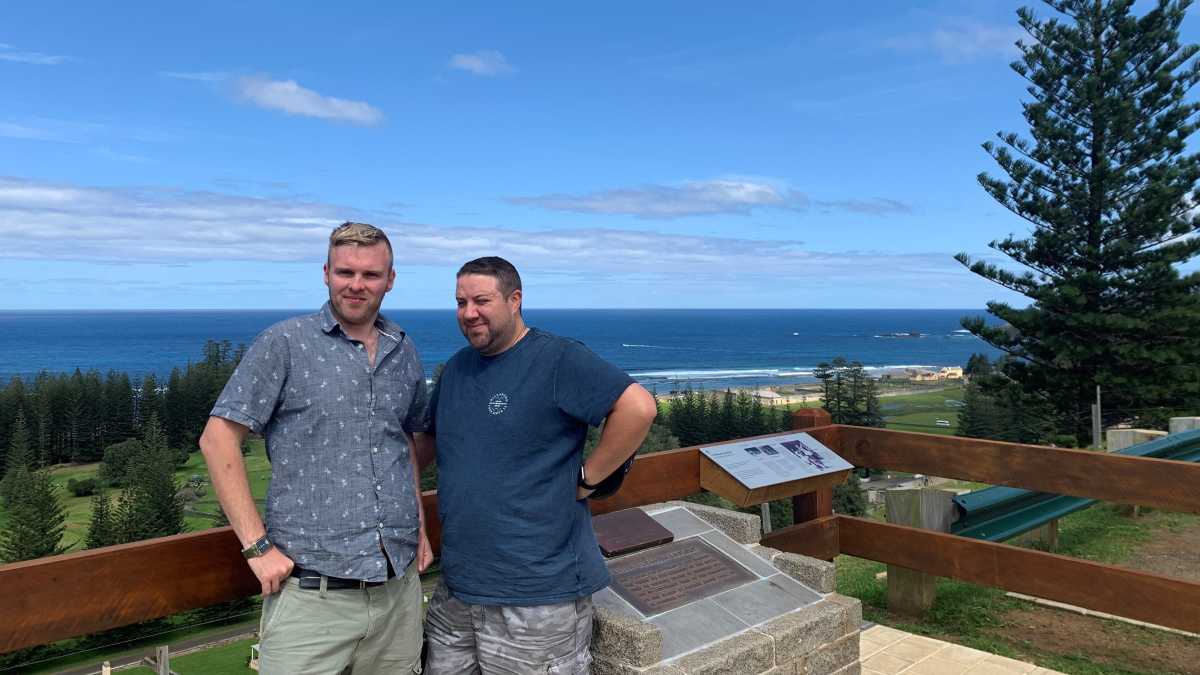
(416, 471)
(623, 432)
(424, 449)
(221, 446)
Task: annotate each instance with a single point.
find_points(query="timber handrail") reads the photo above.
(64, 596)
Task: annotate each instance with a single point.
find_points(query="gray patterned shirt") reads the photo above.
(341, 491)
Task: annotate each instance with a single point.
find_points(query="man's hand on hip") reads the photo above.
(272, 569)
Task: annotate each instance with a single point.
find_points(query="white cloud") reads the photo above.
(194, 77)
(488, 62)
(17, 55)
(665, 202)
(702, 198)
(963, 41)
(54, 221)
(877, 206)
(289, 97)
(27, 133)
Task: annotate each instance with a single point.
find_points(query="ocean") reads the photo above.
(662, 349)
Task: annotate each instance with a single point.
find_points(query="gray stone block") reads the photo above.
(832, 658)
(681, 523)
(694, 626)
(606, 667)
(801, 633)
(765, 552)
(663, 669)
(608, 599)
(1119, 439)
(743, 528)
(852, 669)
(743, 654)
(759, 601)
(851, 612)
(816, 574)
(726, 545)
(1178, 425)
(619, 638)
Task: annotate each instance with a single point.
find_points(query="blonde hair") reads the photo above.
(359, 234)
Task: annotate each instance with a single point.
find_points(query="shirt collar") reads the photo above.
(386, 326)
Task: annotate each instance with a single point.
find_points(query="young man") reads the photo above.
(336, 395)
(510, 414)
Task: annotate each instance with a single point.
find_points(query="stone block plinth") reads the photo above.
(781, 616)
(1178, 425)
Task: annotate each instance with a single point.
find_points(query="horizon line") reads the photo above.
(450, 309)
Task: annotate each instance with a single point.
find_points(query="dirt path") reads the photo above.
(1171, 551)
(1038, 630)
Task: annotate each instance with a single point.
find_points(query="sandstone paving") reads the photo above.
(887, 651)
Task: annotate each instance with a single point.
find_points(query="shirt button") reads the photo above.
(378, 487)
(375, 450)
(381, 526)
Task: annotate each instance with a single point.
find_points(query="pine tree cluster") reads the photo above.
(848, 394)
(150, 505)
(74, 417)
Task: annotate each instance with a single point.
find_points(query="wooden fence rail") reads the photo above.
(75, 594)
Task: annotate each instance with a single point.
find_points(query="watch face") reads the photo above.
(257, 548)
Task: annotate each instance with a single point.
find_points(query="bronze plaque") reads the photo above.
(627, 531)
(673, 575)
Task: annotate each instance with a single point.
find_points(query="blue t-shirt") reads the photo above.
(510, 432)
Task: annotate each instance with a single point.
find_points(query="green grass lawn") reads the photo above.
(140, 647)
(230, 659)
(79, 509)
(920, 412)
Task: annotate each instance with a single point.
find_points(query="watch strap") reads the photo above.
(257, 548)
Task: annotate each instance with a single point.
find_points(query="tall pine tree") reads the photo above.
(1109, 193)
(102, 529)
(150, 506)
(36, 518)
(18, 457)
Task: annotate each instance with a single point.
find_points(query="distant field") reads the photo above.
(79, 509)
(920, 412)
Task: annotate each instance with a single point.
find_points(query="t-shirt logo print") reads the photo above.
(498, 403)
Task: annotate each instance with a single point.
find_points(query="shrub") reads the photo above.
(114, 468)
(85, 487)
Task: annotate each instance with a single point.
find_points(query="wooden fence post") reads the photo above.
(820, 503)
(911, 592)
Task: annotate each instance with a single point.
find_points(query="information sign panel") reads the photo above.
(779, 459)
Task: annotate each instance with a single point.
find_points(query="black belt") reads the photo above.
(312, 580)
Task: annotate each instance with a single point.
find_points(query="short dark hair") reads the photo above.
(507, 278)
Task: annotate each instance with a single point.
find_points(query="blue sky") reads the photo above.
(671, 154)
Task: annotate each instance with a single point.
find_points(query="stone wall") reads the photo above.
(819, 639)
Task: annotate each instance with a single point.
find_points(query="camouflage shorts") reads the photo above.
(487, 639)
